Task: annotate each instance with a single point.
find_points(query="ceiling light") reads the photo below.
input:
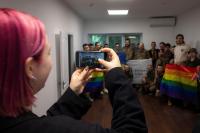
(118, 12)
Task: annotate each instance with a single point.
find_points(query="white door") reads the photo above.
(62, 62)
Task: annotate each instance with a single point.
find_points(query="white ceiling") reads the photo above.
(97, 9)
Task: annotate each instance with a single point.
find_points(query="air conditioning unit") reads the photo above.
(163, 21)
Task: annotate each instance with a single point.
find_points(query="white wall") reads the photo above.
(189, 25)
(158, 34)
(57, 17)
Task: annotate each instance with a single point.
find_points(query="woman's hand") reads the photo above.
(79, 79)
(114, 59)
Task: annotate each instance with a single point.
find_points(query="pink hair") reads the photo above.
(21, 36)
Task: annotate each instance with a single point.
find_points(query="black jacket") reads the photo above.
(64, 115)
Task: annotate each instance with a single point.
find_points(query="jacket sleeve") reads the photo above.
(71, 105)
(128, 116)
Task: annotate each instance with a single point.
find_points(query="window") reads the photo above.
(114, 39)
(111, 39)
(101, 38)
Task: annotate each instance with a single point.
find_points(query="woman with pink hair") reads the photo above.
(25, 63)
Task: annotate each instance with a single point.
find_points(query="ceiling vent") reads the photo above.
(163, 21)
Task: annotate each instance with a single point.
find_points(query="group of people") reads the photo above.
(180, 54)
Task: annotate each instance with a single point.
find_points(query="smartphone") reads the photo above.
(89, 58)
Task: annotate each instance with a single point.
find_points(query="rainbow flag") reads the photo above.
(96, 82)
(177, 83)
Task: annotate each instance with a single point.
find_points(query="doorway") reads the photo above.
(70, 55)
(64, 60)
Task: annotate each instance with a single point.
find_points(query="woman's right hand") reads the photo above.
(79, 79)
(114, 59)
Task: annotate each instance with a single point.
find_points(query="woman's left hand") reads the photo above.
(79, 79)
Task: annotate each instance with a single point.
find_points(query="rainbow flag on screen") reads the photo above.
(177, 83)
(96, 82)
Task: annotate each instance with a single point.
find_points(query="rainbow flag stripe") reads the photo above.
(96, 82)
(177, 83)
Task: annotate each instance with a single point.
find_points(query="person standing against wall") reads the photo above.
(181, 50)
(141, 53)
(128, 50)
(153, 53)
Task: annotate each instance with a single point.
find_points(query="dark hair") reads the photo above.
(96, 43)
(180, 35)
(168, 45)
(193, 50)
(91, 44)
(85, 44)
(127, 39)
(162, 43)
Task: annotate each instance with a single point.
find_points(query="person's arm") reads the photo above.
(70, 104)
(128, 115)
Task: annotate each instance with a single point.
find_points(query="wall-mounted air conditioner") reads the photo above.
(163, 21)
